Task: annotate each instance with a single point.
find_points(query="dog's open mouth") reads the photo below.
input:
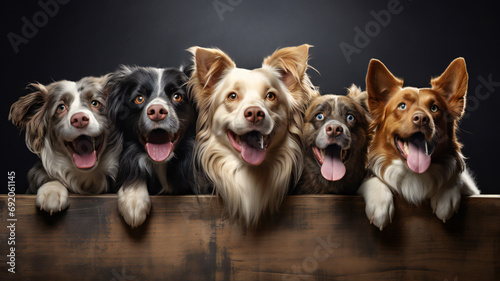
(85, 150)
(332, 160)
(417, 151)
(159, 144)
(252, 146)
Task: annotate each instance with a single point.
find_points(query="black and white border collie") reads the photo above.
(67, 127)
(155, 120)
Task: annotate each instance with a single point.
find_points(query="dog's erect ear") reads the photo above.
(361, 98)
(380, 83)
(209, 65)
(27, 114)
(291, 62)
(452, 85)
(358, 95)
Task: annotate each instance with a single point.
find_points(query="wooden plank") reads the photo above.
(314, 237)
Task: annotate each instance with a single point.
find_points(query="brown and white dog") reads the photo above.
(336, 137)
(415, 151)
(67, 127)
(248, 143)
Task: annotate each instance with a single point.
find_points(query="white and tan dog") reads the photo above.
(248, 143)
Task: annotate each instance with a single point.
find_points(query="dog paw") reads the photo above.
(134, 204)
(52, 197)
(446, 203)
(380, 213)
(379, 203)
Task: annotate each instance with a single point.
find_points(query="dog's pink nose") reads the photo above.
(334, 130)
(420, 119)
(254, 114)
(79, 120)
(157, 112)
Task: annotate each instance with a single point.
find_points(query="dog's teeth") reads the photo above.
(407, 150)
(426, 148)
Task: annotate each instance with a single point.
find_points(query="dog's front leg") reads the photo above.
(379, 203)
(134, 203)
(52, 197)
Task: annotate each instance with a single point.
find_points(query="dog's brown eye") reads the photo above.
(139, 100)
(95, 103)
(178, 98)
(61, 108)
(402, 106)
(271, 96)
(232, 96)
(434, 108)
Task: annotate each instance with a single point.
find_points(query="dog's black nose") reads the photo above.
(254, 114)
(420, 119)
(79, 120)
(157, 112)
(334, 130)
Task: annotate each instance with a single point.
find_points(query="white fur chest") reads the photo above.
(412, 186)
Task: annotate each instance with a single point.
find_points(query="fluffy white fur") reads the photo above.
(442, 184)
(134, 203)
(248, 191)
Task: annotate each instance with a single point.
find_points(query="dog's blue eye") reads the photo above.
(320, 117)
(350, 117)
(95, 103)
(402, 106)
(434, 108)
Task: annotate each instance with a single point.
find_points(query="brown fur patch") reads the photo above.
(336, 108)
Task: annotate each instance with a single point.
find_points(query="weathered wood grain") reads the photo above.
(313, 237)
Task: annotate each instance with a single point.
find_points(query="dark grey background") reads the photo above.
(94, 37)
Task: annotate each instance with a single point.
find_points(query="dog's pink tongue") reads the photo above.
(85, 155)
(85, 161)
(332, 169)
(418, 161)
(252, 155)
(159, 151)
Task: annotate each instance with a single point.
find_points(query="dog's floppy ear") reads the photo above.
(452, 85)
(114, 92)
(380, 83)
(292, 64)
(187, 69)
(209, 64)
(28, 114)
